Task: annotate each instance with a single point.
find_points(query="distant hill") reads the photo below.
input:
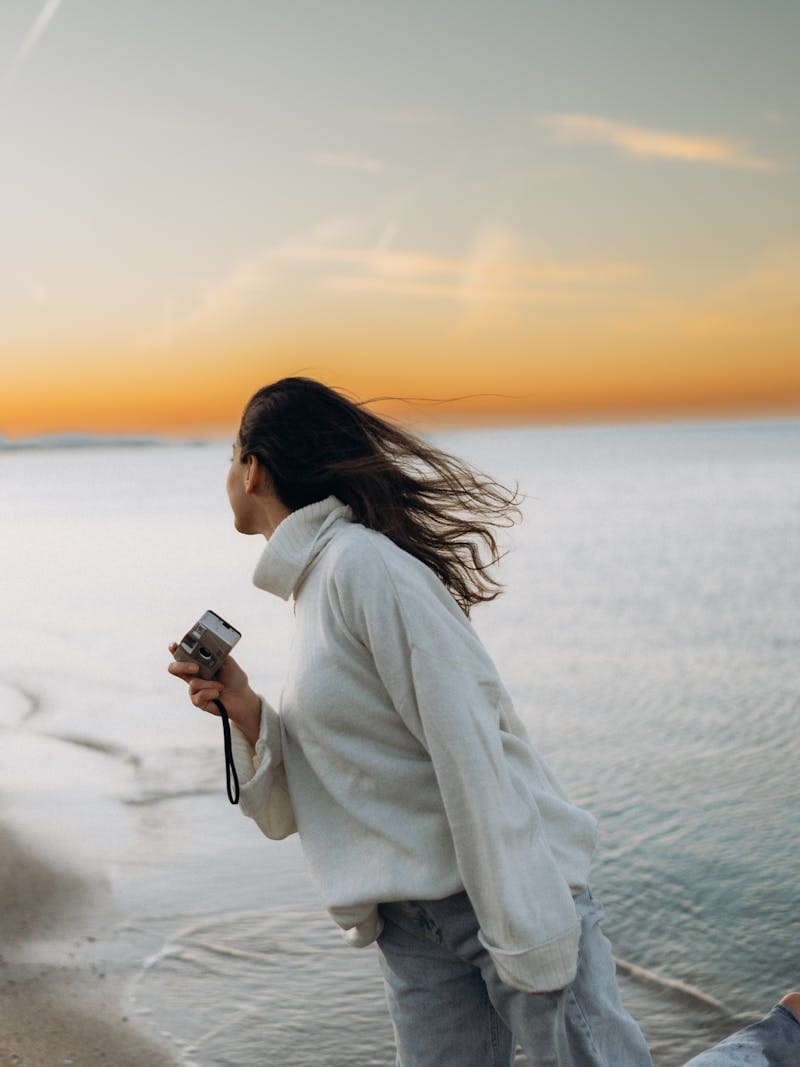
(75, 440)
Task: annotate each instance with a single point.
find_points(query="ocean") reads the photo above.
(649, 634)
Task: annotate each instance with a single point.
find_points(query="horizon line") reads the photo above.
(71, 437)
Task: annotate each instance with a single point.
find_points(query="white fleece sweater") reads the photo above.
(398, 757)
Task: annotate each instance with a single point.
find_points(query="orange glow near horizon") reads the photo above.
(623, 355)
(198, 393)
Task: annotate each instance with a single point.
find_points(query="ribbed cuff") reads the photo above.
(243, 755)
(541, 969)
(264, 794)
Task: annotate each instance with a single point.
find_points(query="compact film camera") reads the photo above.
(207, 644)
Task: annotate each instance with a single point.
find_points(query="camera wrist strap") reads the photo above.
(230, 767)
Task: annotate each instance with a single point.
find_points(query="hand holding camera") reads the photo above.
(202, 658)
(230, 684)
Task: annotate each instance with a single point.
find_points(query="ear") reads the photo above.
(254, 478)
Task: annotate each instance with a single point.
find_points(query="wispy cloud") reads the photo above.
(656, 144)
(32, 38)
(221, 302)
(336, 259)
(363, 163)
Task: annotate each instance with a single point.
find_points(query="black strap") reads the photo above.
(230, 766)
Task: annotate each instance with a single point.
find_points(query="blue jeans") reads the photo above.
(449, 1008)
(774, 1041)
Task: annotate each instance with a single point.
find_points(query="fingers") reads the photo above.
(185, 670)
(201, 685)
(203, 694)
(202, 691)
(181, 668)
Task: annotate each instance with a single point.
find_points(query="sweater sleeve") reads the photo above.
(263, 789)
(445, 687)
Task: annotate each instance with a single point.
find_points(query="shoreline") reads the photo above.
(62, 1000)
(76, 941)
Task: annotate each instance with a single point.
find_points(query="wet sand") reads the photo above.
(65, 970)
(61, 1002)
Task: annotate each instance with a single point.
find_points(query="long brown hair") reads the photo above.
(314, 442)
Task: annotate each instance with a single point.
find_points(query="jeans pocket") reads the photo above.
(426, 922)
(412, 917)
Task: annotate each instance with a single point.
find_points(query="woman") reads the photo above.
(429, 822)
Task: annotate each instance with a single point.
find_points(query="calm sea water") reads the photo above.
(649, 634)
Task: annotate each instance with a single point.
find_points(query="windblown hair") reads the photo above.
(313, 442)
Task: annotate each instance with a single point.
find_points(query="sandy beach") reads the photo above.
(64, 1005)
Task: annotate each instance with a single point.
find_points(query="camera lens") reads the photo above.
(204, 653)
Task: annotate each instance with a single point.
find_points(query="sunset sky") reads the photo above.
(578, 210)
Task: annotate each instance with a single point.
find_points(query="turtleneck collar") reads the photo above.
(295, 544)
